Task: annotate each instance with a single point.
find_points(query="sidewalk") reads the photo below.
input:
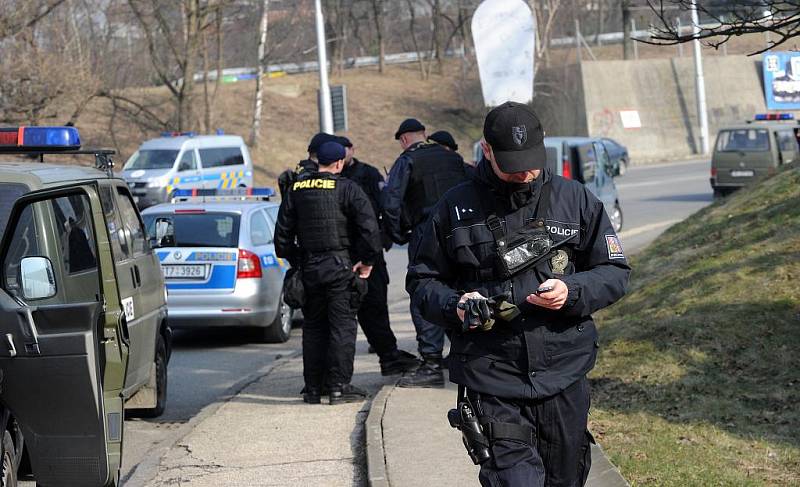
(266, 435)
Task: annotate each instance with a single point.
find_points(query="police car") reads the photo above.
(216, 251)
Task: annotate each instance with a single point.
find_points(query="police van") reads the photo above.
(185, 160)
(83, 315)
(757, 148)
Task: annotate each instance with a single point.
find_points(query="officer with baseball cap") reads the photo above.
(289, 176)
(326, 227)
(514, 263)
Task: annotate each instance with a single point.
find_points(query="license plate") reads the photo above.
(185, 271)
(742, 174)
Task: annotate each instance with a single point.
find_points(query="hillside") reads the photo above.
(376, 103)
(697, 380)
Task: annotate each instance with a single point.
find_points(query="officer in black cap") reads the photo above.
(289, 176)
(327, 228)
(444, 138)
(514, 263)
(418, 178)
(373, 315)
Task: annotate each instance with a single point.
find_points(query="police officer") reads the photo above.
(289, 176)
(419, 177)
(373, 315)
(327, 227)
(446, 140)
(543, 250)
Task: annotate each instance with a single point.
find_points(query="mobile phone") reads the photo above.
(544, 289)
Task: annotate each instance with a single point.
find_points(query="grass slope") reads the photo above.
(698, 379)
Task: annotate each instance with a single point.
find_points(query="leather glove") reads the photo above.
(478, 315)
(502, 309)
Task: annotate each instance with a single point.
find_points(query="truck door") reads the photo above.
(604, 179)
(787, 146)
(64, 351)
(587, 166)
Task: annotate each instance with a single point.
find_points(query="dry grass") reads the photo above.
(697, 381)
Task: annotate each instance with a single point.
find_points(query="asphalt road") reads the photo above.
(209, 365)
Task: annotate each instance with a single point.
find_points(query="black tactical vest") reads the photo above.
(434, 171)
(321, 223)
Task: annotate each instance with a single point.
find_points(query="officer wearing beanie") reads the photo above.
(373, 315)
(419, 177)
(514, 263)
(289, 176)
(326, 226)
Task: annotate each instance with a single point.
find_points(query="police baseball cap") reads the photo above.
(443, 137)
(409, 125)
(516, 136)
(330, 152)
(319, 139)
(344, 141)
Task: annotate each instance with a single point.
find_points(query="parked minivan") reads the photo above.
(586, 159)
(751, 150)
(187, 161)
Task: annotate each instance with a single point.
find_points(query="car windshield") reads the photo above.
(9, 193)
(151, 159)
(743, 140)
(195, 229)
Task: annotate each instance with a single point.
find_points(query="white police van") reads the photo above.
(185, 160)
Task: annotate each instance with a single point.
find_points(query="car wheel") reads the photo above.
(161, 381)
(281, 327)
(616, 217)
(9, 470)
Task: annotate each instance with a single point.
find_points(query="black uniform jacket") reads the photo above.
(541, 352)
(363, 242)
(371, 181)
(289, 176)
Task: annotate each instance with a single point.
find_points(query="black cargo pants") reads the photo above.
(561, 452)
(373, 315)
(329, 327)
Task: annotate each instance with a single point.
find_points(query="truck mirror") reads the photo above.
(38, 280)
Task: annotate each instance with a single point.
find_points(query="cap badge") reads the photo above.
(520, 134)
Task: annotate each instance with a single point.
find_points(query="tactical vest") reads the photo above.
(321, 223)
(434, 171)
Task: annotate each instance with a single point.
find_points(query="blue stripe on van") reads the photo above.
(222, 277)
(162, 256)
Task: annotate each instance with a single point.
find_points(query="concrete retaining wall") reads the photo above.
(662, 90)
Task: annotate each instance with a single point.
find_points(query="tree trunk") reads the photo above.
(377, 15)
(262, 42)
(627, 43)
(206, 97)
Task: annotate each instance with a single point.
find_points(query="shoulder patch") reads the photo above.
(614, 247)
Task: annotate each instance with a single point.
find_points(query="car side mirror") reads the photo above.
(38, 280)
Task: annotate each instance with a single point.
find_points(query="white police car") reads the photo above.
(216, 251)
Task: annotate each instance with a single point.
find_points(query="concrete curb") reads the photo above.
(376, 454)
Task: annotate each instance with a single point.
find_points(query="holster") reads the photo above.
(294, 291)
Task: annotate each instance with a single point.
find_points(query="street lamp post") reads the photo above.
(325, 114)
(700, 83)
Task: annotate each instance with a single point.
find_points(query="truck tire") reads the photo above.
(9, 468)
(280, 329)
(161, 381)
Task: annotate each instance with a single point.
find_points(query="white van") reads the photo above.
(187, 161)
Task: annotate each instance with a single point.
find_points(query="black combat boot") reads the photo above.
(429, 374)
(312, 395)
(342, 393)
(397, 362)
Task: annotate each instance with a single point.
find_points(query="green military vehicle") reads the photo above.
(83, 317)
(744, 153)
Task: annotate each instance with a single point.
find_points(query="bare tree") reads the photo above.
(262, 42)
(627, 41)
(378, 12)
(546, 13)
(20, 16)
(726, 20)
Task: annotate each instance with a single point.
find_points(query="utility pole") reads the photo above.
(700, 83)
(325, 113)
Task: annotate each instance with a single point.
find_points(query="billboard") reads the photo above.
(504, 34)
(782, 80)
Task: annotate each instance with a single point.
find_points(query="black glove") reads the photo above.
(502, 308)
(477, 315)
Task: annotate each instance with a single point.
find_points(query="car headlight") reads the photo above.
(156, 183)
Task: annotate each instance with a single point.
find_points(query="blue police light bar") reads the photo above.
(22, 139)
(178, 134)
(774, 116)
(213, 194)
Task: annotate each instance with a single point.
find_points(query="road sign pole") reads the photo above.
(325, 114)
(700, 83)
